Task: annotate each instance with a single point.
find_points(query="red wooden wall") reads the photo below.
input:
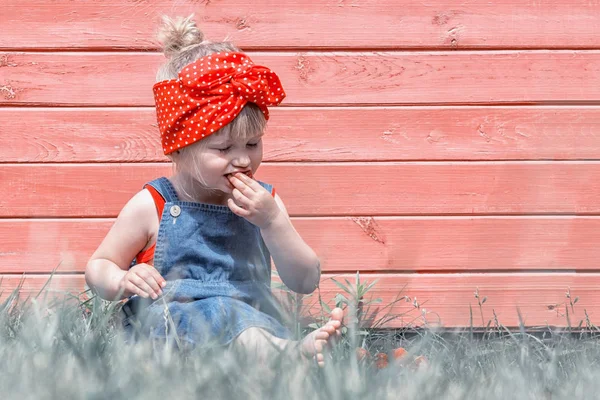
(441, 147)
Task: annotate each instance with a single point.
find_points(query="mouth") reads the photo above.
(247, 173)
(228, 177)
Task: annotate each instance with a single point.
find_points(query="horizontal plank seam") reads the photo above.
(427, 107)
(348, 215)
(425, 271)
(566, 217)
(316, 50)
(331, 163)
(365, 160)
(571, 103)
(386, 273)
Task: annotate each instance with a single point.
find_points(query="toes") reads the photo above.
(320, 360)
(320, 357)
(337, 314)
(332, 325)
(335, 323)
(330, 329)
(322, 335)
(319, 346)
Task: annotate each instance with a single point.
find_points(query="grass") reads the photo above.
(73, 349)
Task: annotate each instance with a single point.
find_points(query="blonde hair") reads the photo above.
(183, 43)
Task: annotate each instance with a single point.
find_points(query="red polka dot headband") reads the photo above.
(208, 94)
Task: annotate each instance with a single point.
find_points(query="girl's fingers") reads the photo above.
(251, 183)
(237, 210)
(160, 281)
(241, 185)
(240, 199)
(133, 289)
(150, 280)
(143, 286)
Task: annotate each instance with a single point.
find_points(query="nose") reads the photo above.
(241, 160)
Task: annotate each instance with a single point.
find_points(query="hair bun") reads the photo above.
(176, 34)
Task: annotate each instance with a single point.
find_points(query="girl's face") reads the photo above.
(223, 156)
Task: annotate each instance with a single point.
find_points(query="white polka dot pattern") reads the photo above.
(208, 94)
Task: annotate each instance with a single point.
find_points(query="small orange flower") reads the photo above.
(362, 354)
(399, 353)
(421, 362)
(381, 360)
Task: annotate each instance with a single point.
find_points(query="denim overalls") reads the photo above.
(218, 273)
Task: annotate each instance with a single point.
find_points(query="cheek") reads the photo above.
(215, 163)
(257, 155)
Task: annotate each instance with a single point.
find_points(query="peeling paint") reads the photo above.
(6, 62)
(435, 136)
(483, 134)
(303, 67)
(518, 132)
(390, 135)
(241, 24)
(342, 3)
(440, 19)
(370, 227)
(8, 92)
(453, 35)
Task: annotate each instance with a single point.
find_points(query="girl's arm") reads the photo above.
(297, 264)
(106, 270)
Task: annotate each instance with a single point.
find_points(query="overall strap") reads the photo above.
(165, 188)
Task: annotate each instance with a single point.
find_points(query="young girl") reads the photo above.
(203, 239)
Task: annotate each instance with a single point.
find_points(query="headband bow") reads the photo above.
(208, 94)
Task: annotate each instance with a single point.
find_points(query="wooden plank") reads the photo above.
(115, 24)
(318, 134)
(438, 244)
(325, 189)
(57, 286)
(444, 297)
(316, 78)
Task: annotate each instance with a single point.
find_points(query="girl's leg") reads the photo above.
(257, 342)
(265, 348)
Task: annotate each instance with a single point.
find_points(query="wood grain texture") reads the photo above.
(50, 287)
(443, 299)
(438, 172)
(320, 78)
(114, 24)
(325, 189)
(58, 135)
(426, 244)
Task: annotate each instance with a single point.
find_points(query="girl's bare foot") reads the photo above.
(315, 343)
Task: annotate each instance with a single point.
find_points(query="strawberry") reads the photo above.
(400, 353)
(381, 360)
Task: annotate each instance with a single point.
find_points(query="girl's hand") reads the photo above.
(143, 280)
(252, 201)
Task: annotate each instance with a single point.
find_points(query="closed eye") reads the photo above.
(225, 149)
(255, 144)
